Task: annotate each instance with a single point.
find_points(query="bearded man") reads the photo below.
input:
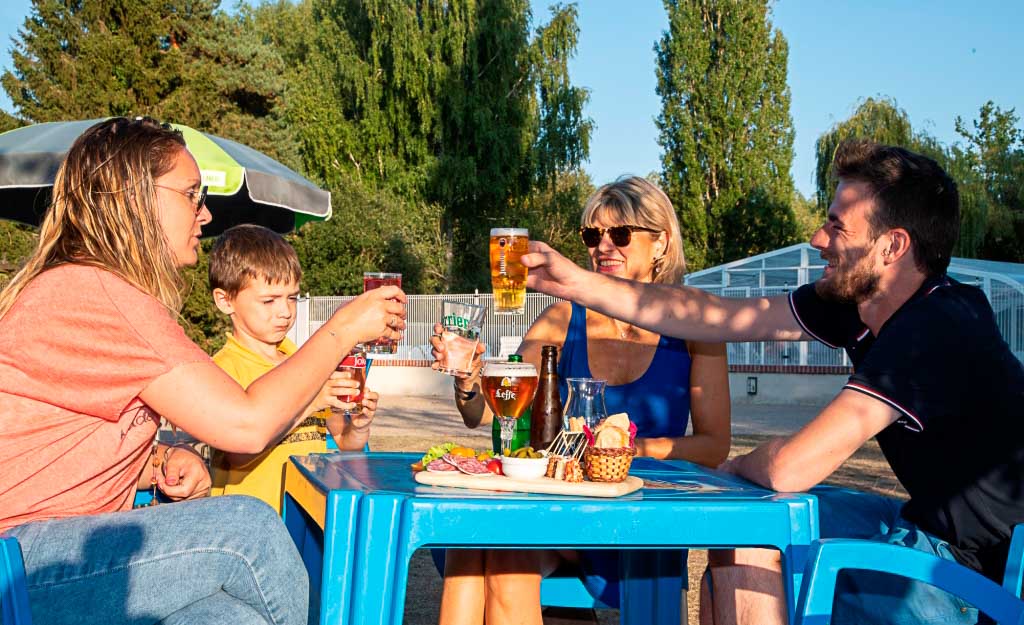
(933, 381)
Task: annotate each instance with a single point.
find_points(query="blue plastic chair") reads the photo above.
(14, 608)
(1014, 574)
(828, 557)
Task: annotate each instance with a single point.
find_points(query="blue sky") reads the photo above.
(939, 59)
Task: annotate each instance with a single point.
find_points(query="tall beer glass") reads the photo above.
(375, 280)
(508, 275)
(508, 389)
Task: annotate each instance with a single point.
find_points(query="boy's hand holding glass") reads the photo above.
(335, 393)
(360, 421)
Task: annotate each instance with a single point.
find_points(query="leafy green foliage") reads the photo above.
(725, 128)
(440, 106)
(988, 170)
(994, 153)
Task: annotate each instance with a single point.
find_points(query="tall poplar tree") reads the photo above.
(725, 128)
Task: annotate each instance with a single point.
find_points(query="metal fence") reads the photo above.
(425, 310)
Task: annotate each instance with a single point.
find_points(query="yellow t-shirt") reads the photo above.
(264, 476)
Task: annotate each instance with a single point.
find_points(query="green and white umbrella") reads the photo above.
(246, 186)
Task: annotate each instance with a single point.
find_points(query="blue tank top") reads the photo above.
(658, 401)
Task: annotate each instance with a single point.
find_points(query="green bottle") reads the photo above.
(522, 436)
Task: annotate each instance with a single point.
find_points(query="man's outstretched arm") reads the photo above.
(672, 310)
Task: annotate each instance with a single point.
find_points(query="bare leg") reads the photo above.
(513, 585)
(707, 614)
(747, 587)
(462, 600)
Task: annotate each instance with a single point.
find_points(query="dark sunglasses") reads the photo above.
(621, 235)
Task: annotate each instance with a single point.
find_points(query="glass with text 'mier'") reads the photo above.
(462, 326)
(508, 274)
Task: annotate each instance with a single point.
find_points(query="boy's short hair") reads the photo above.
(247, 252)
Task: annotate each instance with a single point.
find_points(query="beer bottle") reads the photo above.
(546, 414)
(522, 436)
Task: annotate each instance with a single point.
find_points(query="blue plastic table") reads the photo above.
(357, 518)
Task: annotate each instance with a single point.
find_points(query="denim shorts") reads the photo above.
(881, 598)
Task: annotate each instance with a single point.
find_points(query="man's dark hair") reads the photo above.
(911, 192)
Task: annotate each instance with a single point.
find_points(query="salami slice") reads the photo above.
(469, 466)
(440, 465)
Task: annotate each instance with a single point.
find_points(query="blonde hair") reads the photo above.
(104, 211)
(635, 201)
(248, 252)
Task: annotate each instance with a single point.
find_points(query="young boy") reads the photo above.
(254, 277)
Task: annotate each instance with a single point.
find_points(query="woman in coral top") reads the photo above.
(91, 358)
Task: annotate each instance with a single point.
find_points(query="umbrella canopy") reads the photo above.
(246, 186)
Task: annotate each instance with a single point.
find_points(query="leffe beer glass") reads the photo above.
(508, 274)
(508, 389)
(373, 280)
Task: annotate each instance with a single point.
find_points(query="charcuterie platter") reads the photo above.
(590, 464)
(546, 485)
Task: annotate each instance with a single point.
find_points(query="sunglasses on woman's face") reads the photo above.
(621, 235)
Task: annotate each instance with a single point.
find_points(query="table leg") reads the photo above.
(803, 530)
(378, 539)
(651, 586)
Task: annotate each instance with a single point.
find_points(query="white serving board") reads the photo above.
(545, 485)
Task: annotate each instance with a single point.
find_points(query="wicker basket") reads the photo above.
(608, 465)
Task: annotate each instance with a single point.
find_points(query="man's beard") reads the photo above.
(849, 286)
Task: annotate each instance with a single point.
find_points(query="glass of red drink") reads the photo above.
(373, 280)
(354, 367)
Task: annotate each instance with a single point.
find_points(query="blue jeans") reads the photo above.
(222, 560)
(880, 598)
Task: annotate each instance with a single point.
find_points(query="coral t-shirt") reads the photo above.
(76, 349)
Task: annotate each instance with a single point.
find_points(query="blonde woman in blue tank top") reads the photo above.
(631, 231)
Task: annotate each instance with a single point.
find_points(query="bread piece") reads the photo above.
(619, 420)
(611, 437)
(559, 468)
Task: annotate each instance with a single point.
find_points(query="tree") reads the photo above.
(995, 157)
(177, 60)
(446, 104)
(880, 120)
(988, 170)
(725, 128)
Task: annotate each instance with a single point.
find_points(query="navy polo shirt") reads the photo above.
(958, 445)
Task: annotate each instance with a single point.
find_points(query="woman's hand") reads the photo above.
(440, 355)
(183, 475)
(378, 313)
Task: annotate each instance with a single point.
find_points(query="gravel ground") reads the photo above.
(415, 423)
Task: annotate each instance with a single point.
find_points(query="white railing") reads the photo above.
(425, 310)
